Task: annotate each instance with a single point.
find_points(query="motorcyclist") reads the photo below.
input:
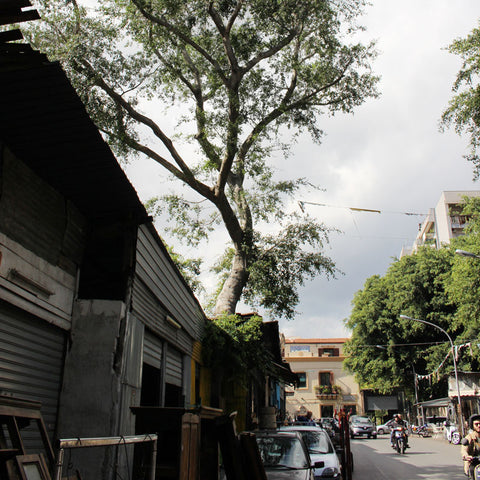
(398, 422)
(471, 445)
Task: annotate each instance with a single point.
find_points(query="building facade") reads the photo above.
(95, 318)
(324, 386)
(443, 222)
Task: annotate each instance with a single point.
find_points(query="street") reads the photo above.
(431, 458)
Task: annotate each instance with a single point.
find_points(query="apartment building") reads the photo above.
(324, 386)
(443, 222)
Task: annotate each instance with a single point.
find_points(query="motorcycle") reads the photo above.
(421, 430)
(399, 439)
(452, 435)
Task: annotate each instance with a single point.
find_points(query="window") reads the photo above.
(302, 377)
(325, 378)
(328, 352)
(326, 411)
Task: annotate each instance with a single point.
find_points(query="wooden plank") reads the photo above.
(189, 456)
(7, 18)
(230, 448)
(9, 4)
(252, 461)
(10, 36)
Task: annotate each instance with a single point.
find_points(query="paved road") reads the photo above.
(428, 458)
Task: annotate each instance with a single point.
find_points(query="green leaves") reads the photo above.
(383, 347)
(433, 285)
(463, 112)
(234, 346)
(283, 262)
(220, 80)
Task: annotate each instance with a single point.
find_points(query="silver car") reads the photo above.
(285, 456)
(320, 448)
(362, 426)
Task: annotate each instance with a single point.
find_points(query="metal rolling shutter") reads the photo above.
(174, 367)
(152, 350)
(31, 364)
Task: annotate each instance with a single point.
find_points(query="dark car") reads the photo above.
(362, 426)
(285, 456)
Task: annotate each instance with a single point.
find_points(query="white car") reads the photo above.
(385, 427)
(320, 448)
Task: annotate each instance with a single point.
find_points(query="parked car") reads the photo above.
(362, 426)
(320, 448)
(285, 456)
(385, 427)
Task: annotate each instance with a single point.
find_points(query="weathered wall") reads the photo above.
(92, 391)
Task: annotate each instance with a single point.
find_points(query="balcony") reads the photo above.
(327, 392)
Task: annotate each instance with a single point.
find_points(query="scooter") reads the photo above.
(399, 439)
(476, 470)
(452, 435)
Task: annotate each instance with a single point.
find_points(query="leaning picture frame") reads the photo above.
(32, 467)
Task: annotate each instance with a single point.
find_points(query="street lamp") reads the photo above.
(464, 253)
(454, 364)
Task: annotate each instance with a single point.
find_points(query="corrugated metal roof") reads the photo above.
(45, 124)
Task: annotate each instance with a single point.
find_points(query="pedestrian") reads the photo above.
(471, 446)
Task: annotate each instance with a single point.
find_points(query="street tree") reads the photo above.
(385, 350)
(241, 78)
(464, 287)
(463, 111)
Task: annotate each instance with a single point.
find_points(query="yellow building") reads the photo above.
(324, 387)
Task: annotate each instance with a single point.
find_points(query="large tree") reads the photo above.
(463, 112)
(242, 77)
(384, 349)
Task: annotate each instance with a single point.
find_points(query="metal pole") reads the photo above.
(460, 410)
(59, 465)
(154, 460)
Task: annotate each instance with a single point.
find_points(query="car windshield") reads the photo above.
(317, 442)
(361, 420)
(282, 452)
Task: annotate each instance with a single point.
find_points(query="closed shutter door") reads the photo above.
(31, 364)
(152, 350)
(174, 367)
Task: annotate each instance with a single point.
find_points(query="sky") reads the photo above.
(388, 156)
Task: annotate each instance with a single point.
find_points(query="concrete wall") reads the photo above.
(91, 398)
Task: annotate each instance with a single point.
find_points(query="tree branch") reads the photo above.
(225, 34)
(121, 102)
(171, 28)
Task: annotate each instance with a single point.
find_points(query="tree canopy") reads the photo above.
(212, 91)
(463, 112)
(433, 285)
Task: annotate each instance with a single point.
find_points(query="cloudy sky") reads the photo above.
(388, 156)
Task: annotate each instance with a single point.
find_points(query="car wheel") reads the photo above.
(380, 431)
(374, 435)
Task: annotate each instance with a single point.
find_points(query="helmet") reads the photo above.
(475, 416)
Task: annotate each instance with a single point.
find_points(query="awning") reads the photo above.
(438, 402)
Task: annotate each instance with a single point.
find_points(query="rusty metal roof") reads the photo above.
(45, 124)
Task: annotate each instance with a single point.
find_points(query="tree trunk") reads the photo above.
(233, 286)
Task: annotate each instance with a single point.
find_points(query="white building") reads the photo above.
(443, 222)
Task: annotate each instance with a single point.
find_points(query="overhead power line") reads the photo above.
(302, 203)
